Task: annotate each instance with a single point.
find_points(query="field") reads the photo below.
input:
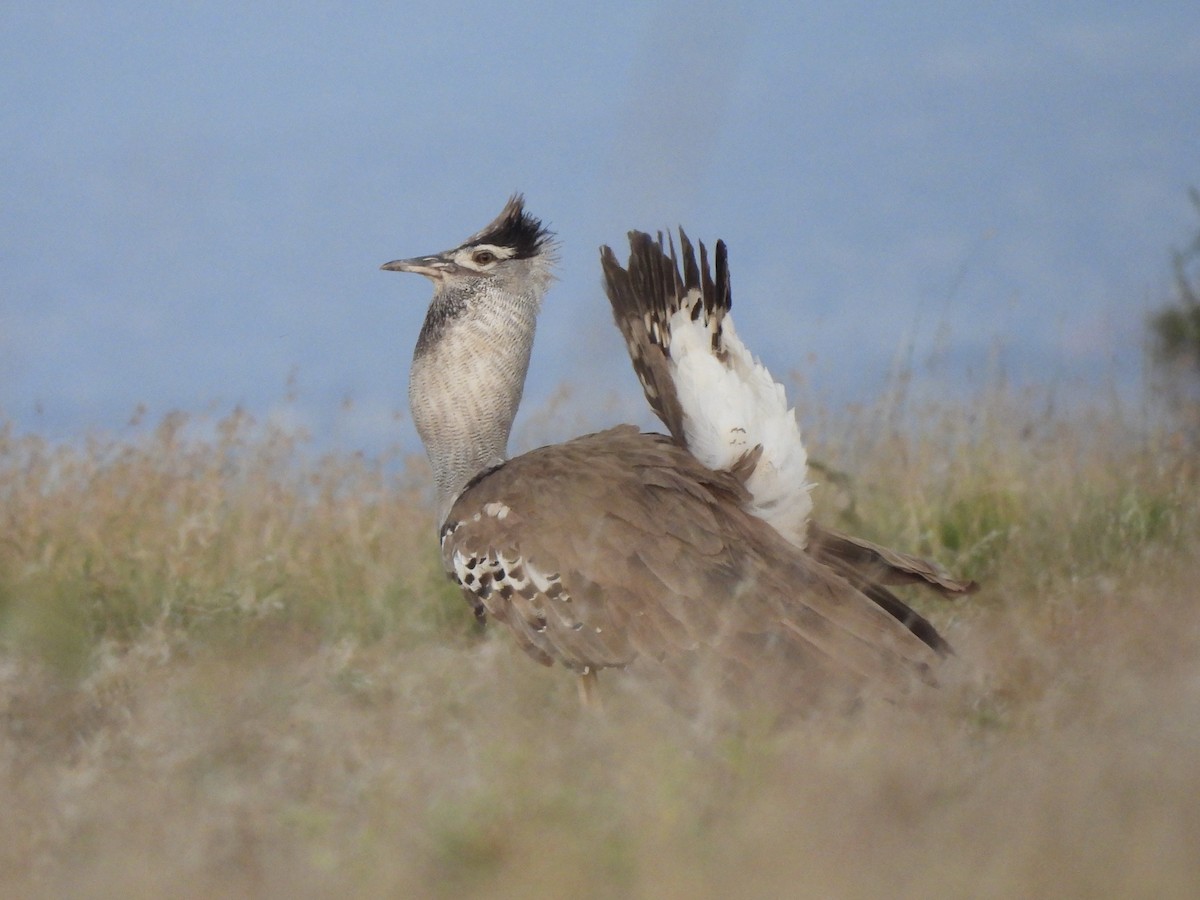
(230, 666)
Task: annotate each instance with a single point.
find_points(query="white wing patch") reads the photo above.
(730, 406)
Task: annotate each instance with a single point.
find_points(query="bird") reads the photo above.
(688, 558)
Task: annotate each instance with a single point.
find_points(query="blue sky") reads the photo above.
(196, 198)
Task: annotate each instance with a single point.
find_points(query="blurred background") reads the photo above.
(196, 198)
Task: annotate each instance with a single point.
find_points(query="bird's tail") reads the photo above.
(714, 397)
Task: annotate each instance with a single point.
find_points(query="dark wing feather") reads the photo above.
(879, 564)
(647, 292)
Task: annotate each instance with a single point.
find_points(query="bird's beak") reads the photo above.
(432, 267)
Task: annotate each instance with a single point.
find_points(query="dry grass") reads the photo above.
(229, 669)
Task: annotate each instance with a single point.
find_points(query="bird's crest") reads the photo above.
(515, 228)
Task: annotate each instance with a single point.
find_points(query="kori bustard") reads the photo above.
(685, 556)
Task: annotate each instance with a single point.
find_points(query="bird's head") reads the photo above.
(513, 253)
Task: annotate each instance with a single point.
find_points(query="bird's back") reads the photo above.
(620, 548)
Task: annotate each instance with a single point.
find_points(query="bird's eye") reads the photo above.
(483, 257)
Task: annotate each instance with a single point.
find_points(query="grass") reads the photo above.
(231, 668)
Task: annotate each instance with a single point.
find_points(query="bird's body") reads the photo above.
(684, 553)
(620, 546)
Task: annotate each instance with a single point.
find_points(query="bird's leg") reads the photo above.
(589, 696)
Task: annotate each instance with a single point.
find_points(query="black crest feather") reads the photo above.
(514, 228)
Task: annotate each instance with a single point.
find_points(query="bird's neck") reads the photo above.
(467, 377)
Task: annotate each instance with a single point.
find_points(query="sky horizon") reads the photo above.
(196, 201)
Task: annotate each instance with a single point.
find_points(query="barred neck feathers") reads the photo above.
(471, 358)
(467, 378)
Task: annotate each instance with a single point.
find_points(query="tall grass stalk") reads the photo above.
(231, 667)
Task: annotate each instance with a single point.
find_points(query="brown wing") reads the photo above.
(620, 546)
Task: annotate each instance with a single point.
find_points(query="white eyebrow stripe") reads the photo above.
(466, 253)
